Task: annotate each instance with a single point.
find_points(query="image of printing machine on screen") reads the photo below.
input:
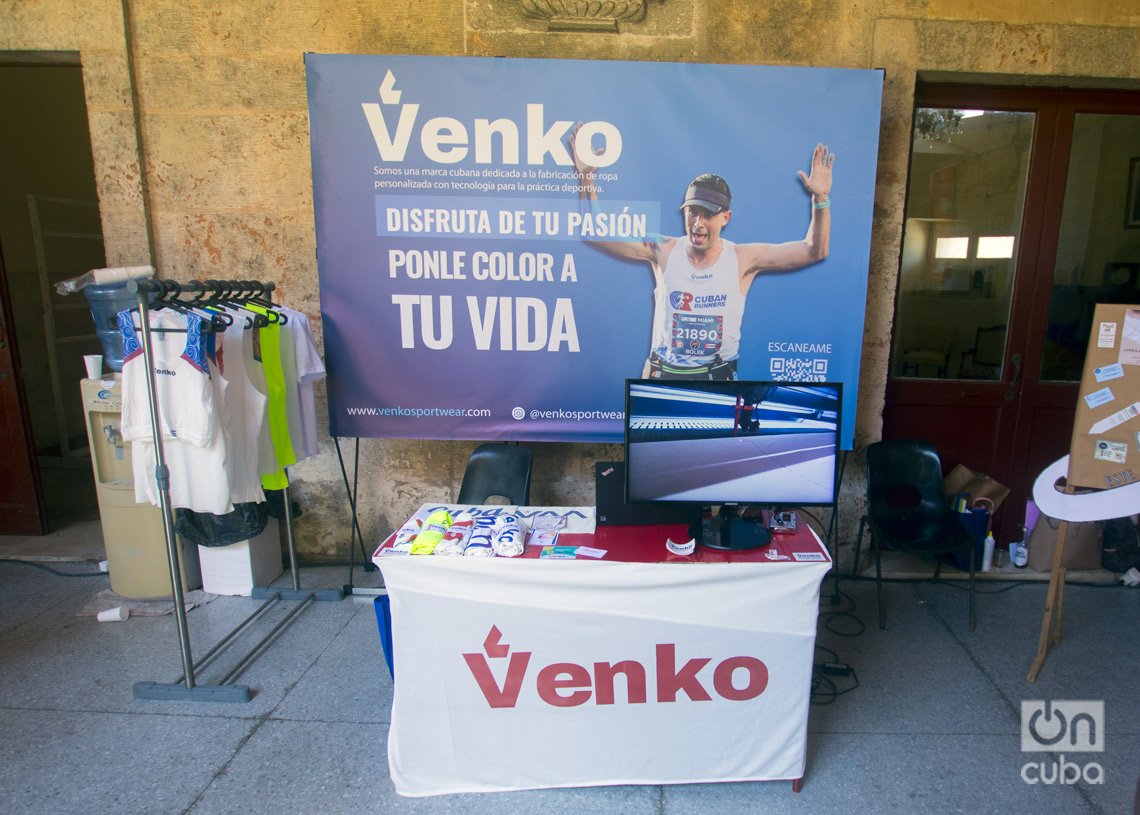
(737, 442)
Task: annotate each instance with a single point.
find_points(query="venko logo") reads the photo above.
(681, 300)
(566, 684)
(1063, 725)
(445, 140)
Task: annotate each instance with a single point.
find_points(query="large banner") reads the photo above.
(502, 243)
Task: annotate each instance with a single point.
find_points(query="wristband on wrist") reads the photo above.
(824, 204)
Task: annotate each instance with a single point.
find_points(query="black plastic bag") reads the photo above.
(1120, 547)
(275, 500)
(246, 522)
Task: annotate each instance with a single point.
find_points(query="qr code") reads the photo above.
(786, 369)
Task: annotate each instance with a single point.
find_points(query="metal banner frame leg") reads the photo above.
(355, 533)
(833, 534)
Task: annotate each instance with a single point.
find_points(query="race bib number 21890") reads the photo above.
(697, 335)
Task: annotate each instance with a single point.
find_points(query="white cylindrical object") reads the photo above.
(114, 615)
(988, 554)
(1094, 506)
(117, 274)
(686, 548)
(94, 363)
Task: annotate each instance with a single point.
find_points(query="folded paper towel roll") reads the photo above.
(117, 274)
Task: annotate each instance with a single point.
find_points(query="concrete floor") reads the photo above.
(933, 726)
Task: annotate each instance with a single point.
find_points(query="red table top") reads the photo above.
(646, 544)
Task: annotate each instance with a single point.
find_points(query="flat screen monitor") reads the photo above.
(733, 442)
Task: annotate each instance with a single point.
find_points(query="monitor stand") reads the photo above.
(728, 531)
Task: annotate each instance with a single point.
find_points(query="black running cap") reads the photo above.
(706, 198)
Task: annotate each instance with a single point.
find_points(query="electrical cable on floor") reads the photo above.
(824, 690)
(1014, 584)
(824, 686)
(843, 613)
(37, 565)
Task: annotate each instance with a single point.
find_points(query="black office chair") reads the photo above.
(497, 469)
(907, 509)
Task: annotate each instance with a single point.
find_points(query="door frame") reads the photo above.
(25, 511)
(1027, 409)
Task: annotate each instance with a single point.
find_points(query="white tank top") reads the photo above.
(190, 401)
(243, 415)
(698, 312)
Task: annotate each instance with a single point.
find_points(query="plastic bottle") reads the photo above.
(988, 553)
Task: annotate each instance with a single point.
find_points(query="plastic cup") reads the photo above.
(114, 615)
(94, 363)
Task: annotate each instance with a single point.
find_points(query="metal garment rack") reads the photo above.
(185, 688)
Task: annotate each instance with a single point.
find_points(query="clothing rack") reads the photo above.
(159, 293)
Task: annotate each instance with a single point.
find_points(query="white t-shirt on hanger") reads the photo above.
(244, 414)
(310, 369)
(186, 393)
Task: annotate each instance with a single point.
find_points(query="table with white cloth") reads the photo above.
(639, 667)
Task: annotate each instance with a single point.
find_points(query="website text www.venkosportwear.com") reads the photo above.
(419, 413)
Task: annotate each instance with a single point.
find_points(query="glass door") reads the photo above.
(1016, 225)
(1097, 259)
(965, 206)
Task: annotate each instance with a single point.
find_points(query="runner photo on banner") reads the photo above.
(501, 243)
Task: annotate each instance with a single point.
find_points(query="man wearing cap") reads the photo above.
(702, 280)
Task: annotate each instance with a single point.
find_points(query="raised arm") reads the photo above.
(786, 257)
(626, 250)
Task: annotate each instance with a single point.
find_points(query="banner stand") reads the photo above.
(831, 541)
(351, 493)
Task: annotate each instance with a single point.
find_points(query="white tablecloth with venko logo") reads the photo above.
(526, 673)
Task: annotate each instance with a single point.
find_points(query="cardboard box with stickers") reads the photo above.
(1105, 449)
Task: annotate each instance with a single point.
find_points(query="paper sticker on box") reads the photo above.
(1100, 397)
(1107, 372)
(1111, 451)
(1130, 341)
(1121, 416)
(1106, 337)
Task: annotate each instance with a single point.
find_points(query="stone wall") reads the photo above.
(198, 123)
